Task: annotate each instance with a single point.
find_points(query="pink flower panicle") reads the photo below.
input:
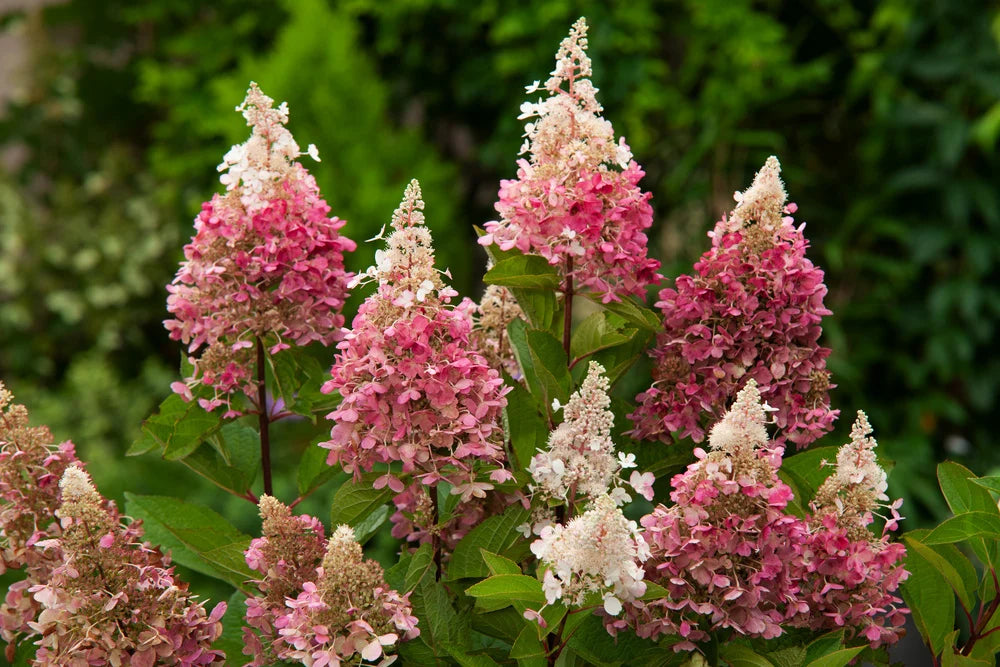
(752, 310)
(848, 574)
(115, 600)
(266, 261)
(722, 551)
(30, 467)
(576, 200)
(320, 601)
(414, 388)
(599, 552)
(581, 456)
(495, 311)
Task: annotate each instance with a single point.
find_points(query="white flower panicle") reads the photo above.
(568, 129)
(599, 552)
(258, 167)
(581, 455)
(742, 428)
(857, 465)
(763, 202)
(407, 262)
(75, 484)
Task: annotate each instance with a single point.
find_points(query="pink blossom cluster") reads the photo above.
(752, 310)
(320, 603)
(848, 574)
(576, 201)
(114, 600)
(266, 261)
(731, 556)
(31, 465)
(415, 390)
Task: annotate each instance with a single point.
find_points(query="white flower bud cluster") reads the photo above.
(856, 463)
(742, 428)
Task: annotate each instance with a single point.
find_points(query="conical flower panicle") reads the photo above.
(723, 549)
(31, 464)
(581, 457)
(850, 575)
(752, 309)
(334, 604)
(576, 199)
(266, 261)
(113, 599)
(414, 388)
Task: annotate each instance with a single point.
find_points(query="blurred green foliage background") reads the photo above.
(885, 115)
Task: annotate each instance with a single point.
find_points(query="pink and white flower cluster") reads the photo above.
(31, 465)
(599, 552)
(752, 310)
(114, 600)
(266, 262)
(321, 602)
(581, 457)
(415, 390)
(576, 201)
(732, 557)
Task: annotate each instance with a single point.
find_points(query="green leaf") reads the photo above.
(952, 565)
(654, 592)
(824, 645)
(197, 536)
(593, 643)
(509, 588)
(504, 624)
(598, 331)
(617, 359)
(962, 496)
(313, 469)
(231, 639)
(367, 527)
(498, 535)
(177, 428)
(807, 471)
(930, 599)
(355, 500)
(526, 271)
(498, 564)
(524, 425)
(632, 311)
(964, 527)
(837, 658)
(543, 361)
(990, 483)
(527, 645)
(738, 655)
(419, 565)
(234, 460)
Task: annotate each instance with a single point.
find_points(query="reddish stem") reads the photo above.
(265, 438)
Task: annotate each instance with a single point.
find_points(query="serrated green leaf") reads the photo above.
(197, 536)
(177, 428)
(524, 425)
(527, 645)
(509, 588)
(313, 470)
(631, 311)
(965, 527)
(498, 564)
(838, 658)
(952, 565)
(592, 642)
(233, 463)
(524, 271)
(231, 640)
(503, 624)
(367, 527)
(617, 359)
(808, 471)
(823, 645)
(598, 331)
(930, 599)
(738, 655)
(419, 565)
(654, 592)
(355, 500)
(963, 495)
(498, 535)
(991, 483)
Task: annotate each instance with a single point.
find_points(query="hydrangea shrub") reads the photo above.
(539, 517)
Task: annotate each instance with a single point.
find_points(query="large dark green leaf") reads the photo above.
(931, 601)
(232, 463)
(524, 425)
(177, 428)
(965, 527)
(197, 536)
(498, 535)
